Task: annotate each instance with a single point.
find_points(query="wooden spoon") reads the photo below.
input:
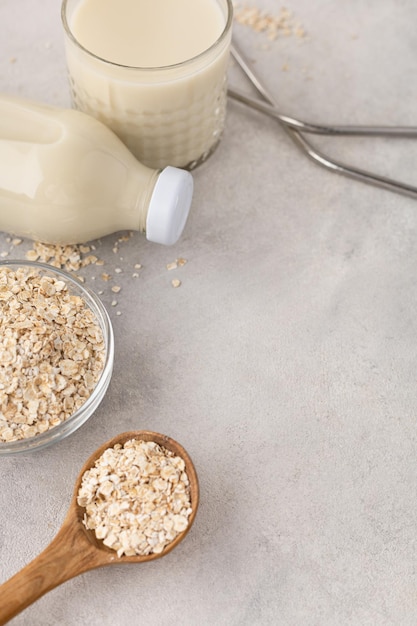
(75, 550)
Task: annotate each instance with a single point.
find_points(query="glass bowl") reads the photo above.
(81, 415)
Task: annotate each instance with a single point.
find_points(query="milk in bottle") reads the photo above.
(67, 178)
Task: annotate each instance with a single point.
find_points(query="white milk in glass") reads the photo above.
(154, 71)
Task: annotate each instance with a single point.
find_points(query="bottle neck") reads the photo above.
(136, 195)
(144, 199)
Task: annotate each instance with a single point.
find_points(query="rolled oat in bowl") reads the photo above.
(54, 350)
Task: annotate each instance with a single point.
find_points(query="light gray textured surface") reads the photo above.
(285, 363)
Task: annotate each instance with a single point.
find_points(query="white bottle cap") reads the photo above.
(169, 206)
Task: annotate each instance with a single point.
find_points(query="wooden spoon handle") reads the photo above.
(68, 555)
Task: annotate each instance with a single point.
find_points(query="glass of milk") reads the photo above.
(154, 71)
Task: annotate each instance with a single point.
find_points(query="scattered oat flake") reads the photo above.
(114, 303)
(138, 266)
(91, 259)
(118, 270)
(272, 25)
(68, 257)
(31, 255)
(16, 241)
(105, 276)
(125, 238)
(4, 254)
(299, 32)
(116, 289)
(177, 263)
(175, 282)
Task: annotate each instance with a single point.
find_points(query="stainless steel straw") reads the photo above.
(322, 129)
(295, 128)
